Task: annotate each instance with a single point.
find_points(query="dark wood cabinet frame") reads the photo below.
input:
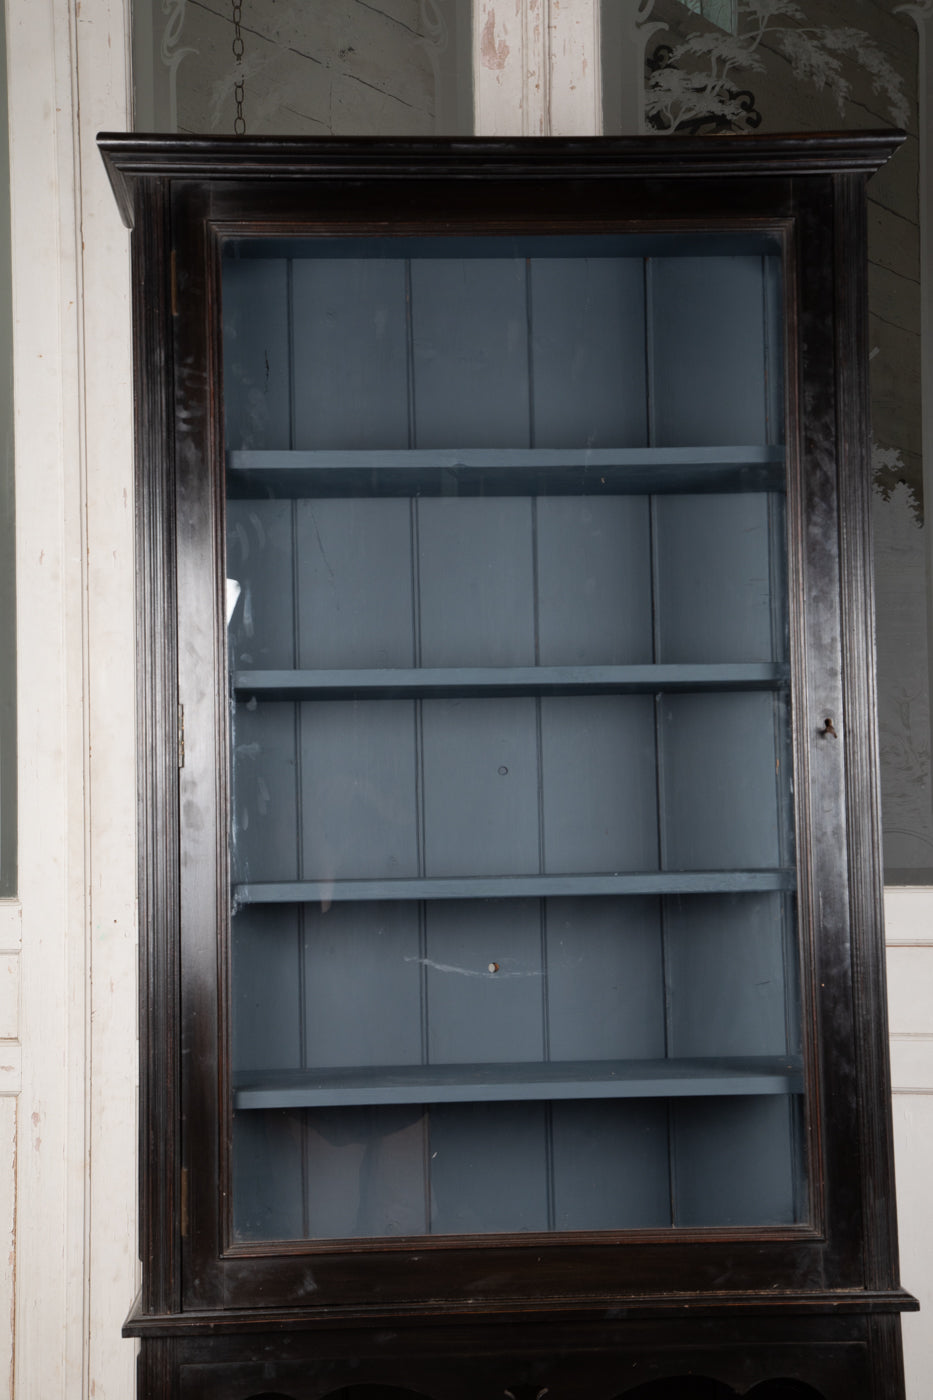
(586, 1314)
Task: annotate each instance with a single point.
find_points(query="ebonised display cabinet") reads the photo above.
(513, 1011)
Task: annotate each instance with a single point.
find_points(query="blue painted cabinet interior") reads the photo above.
(514, 943)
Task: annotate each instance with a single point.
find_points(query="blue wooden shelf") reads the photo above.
(496, 1083)
(472, 681)
(505, 471)
(517, 886)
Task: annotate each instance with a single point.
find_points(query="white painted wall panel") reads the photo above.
(536, 68)
(9, 996)
(909, 920)
(8, 1116)
(913, 1147)
(910, 988)
(74, 1265)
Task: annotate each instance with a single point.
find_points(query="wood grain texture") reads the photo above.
(863, 790)
(130, 158)
(157, 728)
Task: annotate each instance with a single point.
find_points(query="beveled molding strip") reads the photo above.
(203, 158)
(840, 1301)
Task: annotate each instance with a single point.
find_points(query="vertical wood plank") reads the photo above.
(362, 990)
(610, 1165)
(8, 1141)
(574, 89)
(354, 569)
(488, 1168)
(719, 782)
(365, 1171)
(474, 1013)
(772, 274)
(470, 352)
(268, 1202)
(260, 554)
(350, 356)
(265, 791)
(593, 580)
(267, 1034)
(256, 353)
(358, 790)
(734, 1161)
(708, 359)
(726, 981)
(714, 573)
(510, 70)
(780, 620)
(599, 776)
(480, 787)
(266, 1003)
(588, 352)
(476, 581)
(605, 979)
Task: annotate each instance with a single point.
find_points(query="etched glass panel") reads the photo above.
(334, 68)
(721, 12)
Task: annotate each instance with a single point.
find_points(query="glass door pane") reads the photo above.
(514, 944)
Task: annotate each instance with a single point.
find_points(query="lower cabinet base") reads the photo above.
(751, 1358)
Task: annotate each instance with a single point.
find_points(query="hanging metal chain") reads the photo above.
(239, 121)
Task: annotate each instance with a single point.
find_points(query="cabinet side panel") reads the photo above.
(713, 600)
(863, 803)
(719, 784)
(734, 1161)
(157, 750)
(726, 976)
